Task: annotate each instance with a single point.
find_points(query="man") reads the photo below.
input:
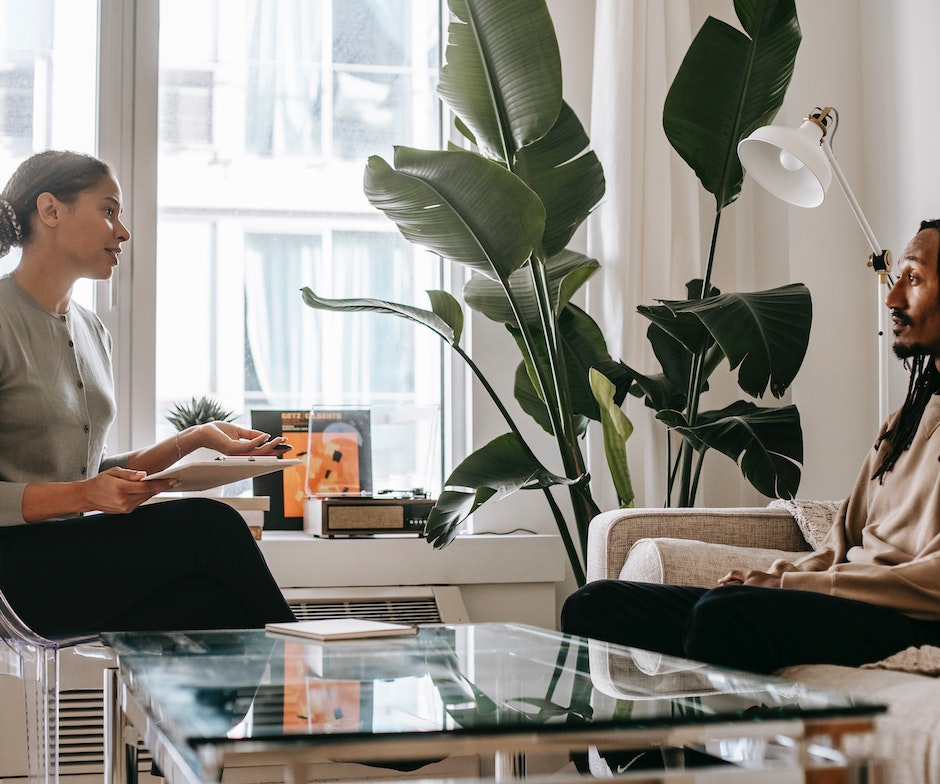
(872, 589)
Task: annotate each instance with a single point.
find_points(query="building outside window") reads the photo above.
(266, 113)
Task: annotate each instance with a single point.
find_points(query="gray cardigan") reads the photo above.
(56, 396)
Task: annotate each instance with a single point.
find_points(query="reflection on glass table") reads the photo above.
(205, 699)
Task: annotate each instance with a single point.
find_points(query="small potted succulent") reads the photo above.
(199, 411)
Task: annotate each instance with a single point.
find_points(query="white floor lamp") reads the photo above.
(797, 165)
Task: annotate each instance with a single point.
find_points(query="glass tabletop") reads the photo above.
(224, 686)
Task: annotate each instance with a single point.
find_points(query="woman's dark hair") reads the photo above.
(924, 384)
(62, 173)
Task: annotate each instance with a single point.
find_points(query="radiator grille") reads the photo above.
(410, 611)
(81, 735)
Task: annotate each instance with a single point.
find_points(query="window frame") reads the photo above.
(127, 130)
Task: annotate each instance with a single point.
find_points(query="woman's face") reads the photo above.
(91, 233)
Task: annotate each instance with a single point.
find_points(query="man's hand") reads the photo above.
(750, 577)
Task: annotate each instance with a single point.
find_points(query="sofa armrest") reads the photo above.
(613, 533)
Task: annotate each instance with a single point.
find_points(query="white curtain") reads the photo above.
(646, 232)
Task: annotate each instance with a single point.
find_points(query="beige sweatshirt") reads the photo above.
(884, 547)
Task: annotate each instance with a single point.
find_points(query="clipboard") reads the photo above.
(206, 474)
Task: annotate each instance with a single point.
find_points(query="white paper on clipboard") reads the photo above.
(206, 474)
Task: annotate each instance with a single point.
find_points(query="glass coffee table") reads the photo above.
(214, 701)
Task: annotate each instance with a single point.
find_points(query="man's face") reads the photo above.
(914, 299)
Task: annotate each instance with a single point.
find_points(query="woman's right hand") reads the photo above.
(120, 490)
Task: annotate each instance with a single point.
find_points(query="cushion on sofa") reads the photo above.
(688, 562)
(907, 739)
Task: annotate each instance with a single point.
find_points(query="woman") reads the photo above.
(184, 564)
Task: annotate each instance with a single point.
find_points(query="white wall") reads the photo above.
(877, 63)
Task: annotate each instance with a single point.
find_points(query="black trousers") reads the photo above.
(175, 565)
(743, 627)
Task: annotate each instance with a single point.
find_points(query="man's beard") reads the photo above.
(906, 352)
(902, 351)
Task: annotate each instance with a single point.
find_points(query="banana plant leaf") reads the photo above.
(427, 318)
(502, 466)
(502, 73)
(766, 443)
(567, 176)
(459, 205)
(766, 333)
(566, 272)
(729, 84)
(616, 428)
(584, 347)
(445, 305)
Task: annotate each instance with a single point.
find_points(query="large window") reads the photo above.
(266, 111)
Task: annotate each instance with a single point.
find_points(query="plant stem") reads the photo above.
(560, 522)
(698, 472)
(554, 394)
(574, 558)
(693, 399)
(706, 281)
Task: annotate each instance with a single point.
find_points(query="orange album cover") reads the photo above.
(314, 704)
(334, 447)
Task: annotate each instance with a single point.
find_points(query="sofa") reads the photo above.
(697, 546)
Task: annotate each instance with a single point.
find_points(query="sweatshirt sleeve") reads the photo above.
(912, 588)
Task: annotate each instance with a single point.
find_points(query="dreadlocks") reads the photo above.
(923, 384)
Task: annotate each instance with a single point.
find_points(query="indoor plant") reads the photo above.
(730, 82)
(507, 212)
(198, 411)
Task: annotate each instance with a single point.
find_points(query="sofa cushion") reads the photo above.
(814, 518)
(907, 738)
(688, 562)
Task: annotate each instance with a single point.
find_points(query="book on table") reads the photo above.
(339, 629)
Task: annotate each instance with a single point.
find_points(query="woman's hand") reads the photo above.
(120, 490)
(232, 439)
(224, 437)
(750, 577)
(116, 491)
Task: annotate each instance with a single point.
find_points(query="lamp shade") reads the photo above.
(789, 163)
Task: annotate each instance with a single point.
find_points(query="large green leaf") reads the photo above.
(446, 306)
(502, 466)
(566, 175)
(429, 319)
(616, 428)
(767, 443)
(460, 205)
(502, 72)
(583, 347)
(765, 332)
(566, 272)
(729, 84)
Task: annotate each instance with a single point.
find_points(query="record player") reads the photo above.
(366, 515)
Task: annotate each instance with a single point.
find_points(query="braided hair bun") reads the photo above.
(11, 232)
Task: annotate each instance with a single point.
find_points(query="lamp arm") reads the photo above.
(881, 260)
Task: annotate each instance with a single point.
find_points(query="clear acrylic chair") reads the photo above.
(36, 661)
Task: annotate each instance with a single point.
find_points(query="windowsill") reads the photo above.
(299, 559)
